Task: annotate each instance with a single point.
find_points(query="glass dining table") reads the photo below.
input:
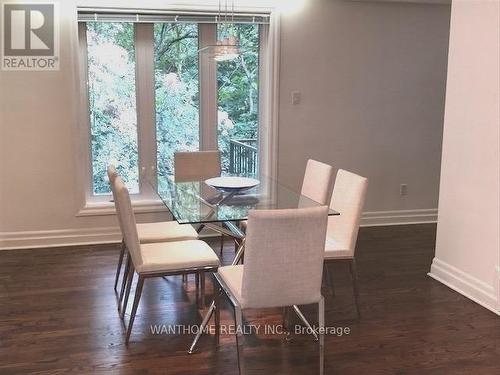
(222, 210)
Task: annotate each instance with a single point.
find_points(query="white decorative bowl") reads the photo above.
(231, 183)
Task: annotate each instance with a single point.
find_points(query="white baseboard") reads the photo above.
(64, 237)
(86, 236)
(465, 284)
(401, 217)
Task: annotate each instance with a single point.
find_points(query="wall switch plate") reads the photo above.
(296, 97)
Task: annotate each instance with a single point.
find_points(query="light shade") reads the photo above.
(225, 49)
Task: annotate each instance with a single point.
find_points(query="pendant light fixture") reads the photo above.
(227, 47)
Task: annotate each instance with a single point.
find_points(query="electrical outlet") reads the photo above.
(403, 190)
(296, 97)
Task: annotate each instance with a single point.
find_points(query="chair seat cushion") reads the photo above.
(233, 278)
(178, 255)
(165, 231)
(335, 250)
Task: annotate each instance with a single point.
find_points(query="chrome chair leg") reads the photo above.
(239, 338)
(221, 245)
(120, 262)
(218, 292)
(354, 277)
(285, 322)
(124, 281)
(127, 290)
(197, 283)
(321, 323)
(138, 292)
(202, 290)
(304, 320)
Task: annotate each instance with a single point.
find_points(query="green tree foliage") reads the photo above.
(238, 89)
(113, 118)
(177, 91)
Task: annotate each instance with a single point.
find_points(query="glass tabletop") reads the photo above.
(195, 202)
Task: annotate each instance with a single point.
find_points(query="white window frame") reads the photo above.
(147, 200)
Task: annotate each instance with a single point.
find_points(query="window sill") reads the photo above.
(108, 208)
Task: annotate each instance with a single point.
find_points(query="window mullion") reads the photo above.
(86, 177)
(208, 89)
(144, 47)
(268, 97)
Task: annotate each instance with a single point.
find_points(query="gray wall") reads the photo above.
(372, 78)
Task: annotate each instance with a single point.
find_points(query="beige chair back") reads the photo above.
(284, 254)
(127, 220)
(317, 183)
(348, 199)
(112, 175)
(196, 166)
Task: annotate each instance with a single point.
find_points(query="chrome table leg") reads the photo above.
(303, 318)
(202, 327)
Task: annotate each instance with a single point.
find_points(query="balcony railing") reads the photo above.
(243, 156)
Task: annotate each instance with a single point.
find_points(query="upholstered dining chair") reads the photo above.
(156, 259)
(279, 271)
(348, 199)
(318, 181)
(147, 232)
(316, 184)
(196, 166)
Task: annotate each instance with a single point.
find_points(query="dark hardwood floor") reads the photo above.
(58, 314)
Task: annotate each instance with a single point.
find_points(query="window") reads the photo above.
(150, 93)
